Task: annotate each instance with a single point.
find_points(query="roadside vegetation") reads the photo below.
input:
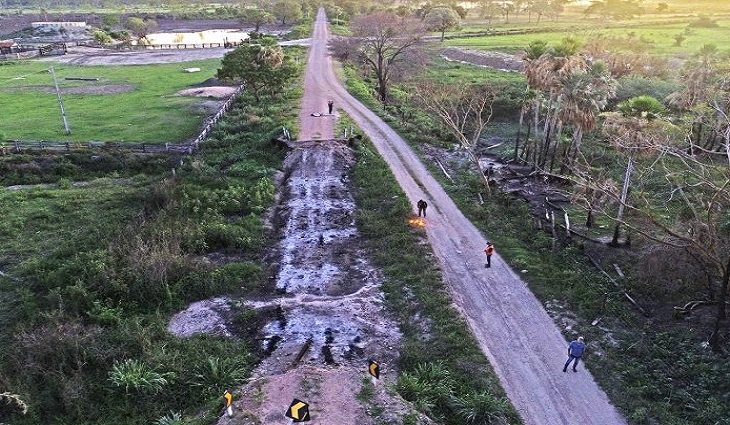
(584, 113)
(92, 273)
(442, 370)
(131, 103)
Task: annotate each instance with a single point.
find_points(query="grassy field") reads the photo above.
(150, 112)
(96, 270)
(660, 38)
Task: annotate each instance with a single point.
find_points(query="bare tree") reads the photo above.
(384, 39)
(688, 210)
(465, 111)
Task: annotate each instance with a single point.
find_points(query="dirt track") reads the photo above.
(522, 342)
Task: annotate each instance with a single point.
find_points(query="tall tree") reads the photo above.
(465, 111)
(287, 11)
(632, 131)
(262, 68)
(441, 19)
(256, 16)
(383, 41)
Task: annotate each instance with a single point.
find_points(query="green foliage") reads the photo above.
(217, 374)
(480, 408)
(263, 69)
(536, 49)
(172, 418)
(97, 271)
(653, 377)
(615, 9)
(140, 27)
(287, 11)
(635, 85)
(104, 315)
(135, 376)
(102, 37)
(642, 106)
(110, 20)
(703, 21)
(441, 19)
(256, 16)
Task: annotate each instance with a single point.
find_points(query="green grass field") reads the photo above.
(660, 36)
(150, 112)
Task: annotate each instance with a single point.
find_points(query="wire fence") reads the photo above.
(16, 146)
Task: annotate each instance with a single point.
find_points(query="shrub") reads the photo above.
(135, 375)
(216, 374)
(102, 37)
(704, 21)
(635, 85)
(480, 408)
(104, 315)
(172, 418)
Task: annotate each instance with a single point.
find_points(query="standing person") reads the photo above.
(330, 105)
(422, 205)
(489, 250)
(575, 352)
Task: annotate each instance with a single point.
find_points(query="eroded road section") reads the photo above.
(513, 329)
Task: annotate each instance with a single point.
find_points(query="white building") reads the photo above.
(58, 25)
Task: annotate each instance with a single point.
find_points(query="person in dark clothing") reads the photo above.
(422, 205)
(330, 106)
(489, 250)
(575, 352)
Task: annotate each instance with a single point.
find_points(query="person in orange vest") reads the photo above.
(489, 250)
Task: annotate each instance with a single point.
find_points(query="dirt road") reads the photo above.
(522, 342)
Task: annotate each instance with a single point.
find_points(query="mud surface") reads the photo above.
(495, 60)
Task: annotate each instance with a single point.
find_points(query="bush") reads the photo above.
(635, 85)
(135, 375)
(219, 374)
(102, 37)
(703, 21)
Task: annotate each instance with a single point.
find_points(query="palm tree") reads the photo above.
(583, 96)
(693, 98)
(634, 128)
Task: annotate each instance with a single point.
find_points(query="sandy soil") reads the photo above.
(513, 329)
(220, 92)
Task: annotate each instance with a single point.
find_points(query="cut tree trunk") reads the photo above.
(721, 308)
(622, 204)
(519, 133)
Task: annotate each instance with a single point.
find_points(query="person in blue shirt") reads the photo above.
(575, 352)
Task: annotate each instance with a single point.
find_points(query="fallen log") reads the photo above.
(444, 170)
(617, 285)
(307, 345)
